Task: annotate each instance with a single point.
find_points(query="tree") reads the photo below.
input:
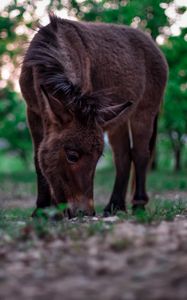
(146, 14)
(174, 119)
(14, 31)
(17, 20)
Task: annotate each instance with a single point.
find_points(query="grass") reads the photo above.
(164, 210)
(16, 222)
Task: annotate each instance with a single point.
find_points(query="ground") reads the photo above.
(127, 256)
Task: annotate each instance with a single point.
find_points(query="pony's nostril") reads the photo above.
(72, 213)
(79, 211)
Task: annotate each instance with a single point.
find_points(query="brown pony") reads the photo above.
(79, 80)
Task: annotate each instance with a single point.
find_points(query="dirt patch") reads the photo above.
(129, 261)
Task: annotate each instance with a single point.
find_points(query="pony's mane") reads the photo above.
(45, 56)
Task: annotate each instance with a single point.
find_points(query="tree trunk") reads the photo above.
(177, 146)
(177, 153)
(154, 162)
(24, 158)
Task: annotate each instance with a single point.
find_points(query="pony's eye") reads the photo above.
(72, 156)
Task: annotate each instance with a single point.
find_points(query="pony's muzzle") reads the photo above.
(81, 208)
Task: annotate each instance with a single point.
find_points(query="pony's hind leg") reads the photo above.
(144, 136)
(119, 141)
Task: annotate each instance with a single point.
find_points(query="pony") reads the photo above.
(80, 80)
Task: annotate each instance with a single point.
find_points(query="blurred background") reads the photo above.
(164, 20)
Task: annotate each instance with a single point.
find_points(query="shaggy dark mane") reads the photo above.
(44, 54)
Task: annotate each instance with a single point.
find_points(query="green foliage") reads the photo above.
(14, 134)
(146, 14)
(173, 120)
(175, 106)
(12, 17)
(149, 15)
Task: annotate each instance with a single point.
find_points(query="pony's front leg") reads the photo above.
(43, 191)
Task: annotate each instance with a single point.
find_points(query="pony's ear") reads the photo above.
(112, 114)
(55, 111)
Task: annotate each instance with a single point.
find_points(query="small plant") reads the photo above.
(161, 210)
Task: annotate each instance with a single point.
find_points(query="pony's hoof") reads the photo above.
(34, 213)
